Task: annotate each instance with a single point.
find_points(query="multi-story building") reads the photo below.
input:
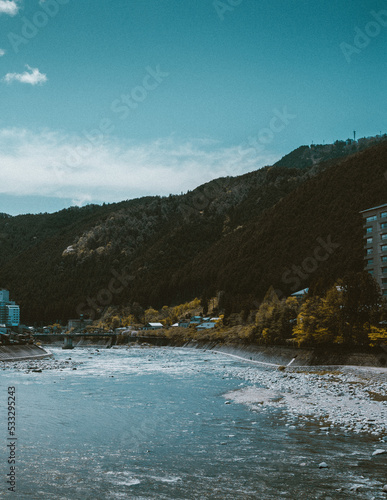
(13, 315)
(3, 314)
(9, 311)
(375, 244)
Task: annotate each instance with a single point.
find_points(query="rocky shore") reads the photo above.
(349, 399)
(38, 366)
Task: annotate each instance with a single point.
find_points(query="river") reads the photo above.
(154, 423)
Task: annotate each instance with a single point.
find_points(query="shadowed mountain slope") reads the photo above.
(239, 235)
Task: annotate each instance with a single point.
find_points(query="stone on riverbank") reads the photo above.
(379, 452)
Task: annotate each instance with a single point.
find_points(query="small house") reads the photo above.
(153, 326)
(195, 320)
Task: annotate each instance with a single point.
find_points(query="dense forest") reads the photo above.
(233, 236)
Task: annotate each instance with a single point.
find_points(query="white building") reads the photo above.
(153, 326)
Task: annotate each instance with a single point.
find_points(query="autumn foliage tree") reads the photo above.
(274, 319)
(348, 314)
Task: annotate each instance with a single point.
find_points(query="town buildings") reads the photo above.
(375, 244)
(9, 311)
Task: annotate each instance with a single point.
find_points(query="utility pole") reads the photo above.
(354, 135)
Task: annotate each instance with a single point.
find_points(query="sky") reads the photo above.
(108, 100)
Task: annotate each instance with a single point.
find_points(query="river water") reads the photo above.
(147, 423)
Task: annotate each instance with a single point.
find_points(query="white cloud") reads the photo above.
(33, 76)
(52, 164)
(2, 52)
(10, 7)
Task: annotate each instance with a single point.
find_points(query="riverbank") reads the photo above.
(272, 355)
(349, 399)
(333, 387)
(277, 356)
(341, 399)
(338, 390)
(172, 435)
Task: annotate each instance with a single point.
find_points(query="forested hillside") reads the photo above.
(236, 235)
(279, 247)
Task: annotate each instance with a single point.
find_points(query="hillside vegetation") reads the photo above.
(233, 236)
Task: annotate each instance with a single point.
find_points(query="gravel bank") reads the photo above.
(40, 365)
(352, 399)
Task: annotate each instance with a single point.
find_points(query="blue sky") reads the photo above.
(107, 100)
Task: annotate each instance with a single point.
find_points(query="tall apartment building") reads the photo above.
(9, 311)
(375, 244)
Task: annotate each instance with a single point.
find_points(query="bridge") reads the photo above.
(108, 339)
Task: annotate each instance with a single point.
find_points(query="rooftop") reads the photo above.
(300, 292)
(373, 208)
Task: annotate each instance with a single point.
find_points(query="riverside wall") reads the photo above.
(283, 356)
(22, 352)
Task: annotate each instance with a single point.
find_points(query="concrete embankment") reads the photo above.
(22, 352)
(278, 355)
(283, 355)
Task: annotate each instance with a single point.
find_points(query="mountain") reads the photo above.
(238, 235)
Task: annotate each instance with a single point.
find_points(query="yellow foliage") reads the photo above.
(151, 315)
(265, 334)
(319, 319)
(377, 335)
(292, 302)
(128, 320)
